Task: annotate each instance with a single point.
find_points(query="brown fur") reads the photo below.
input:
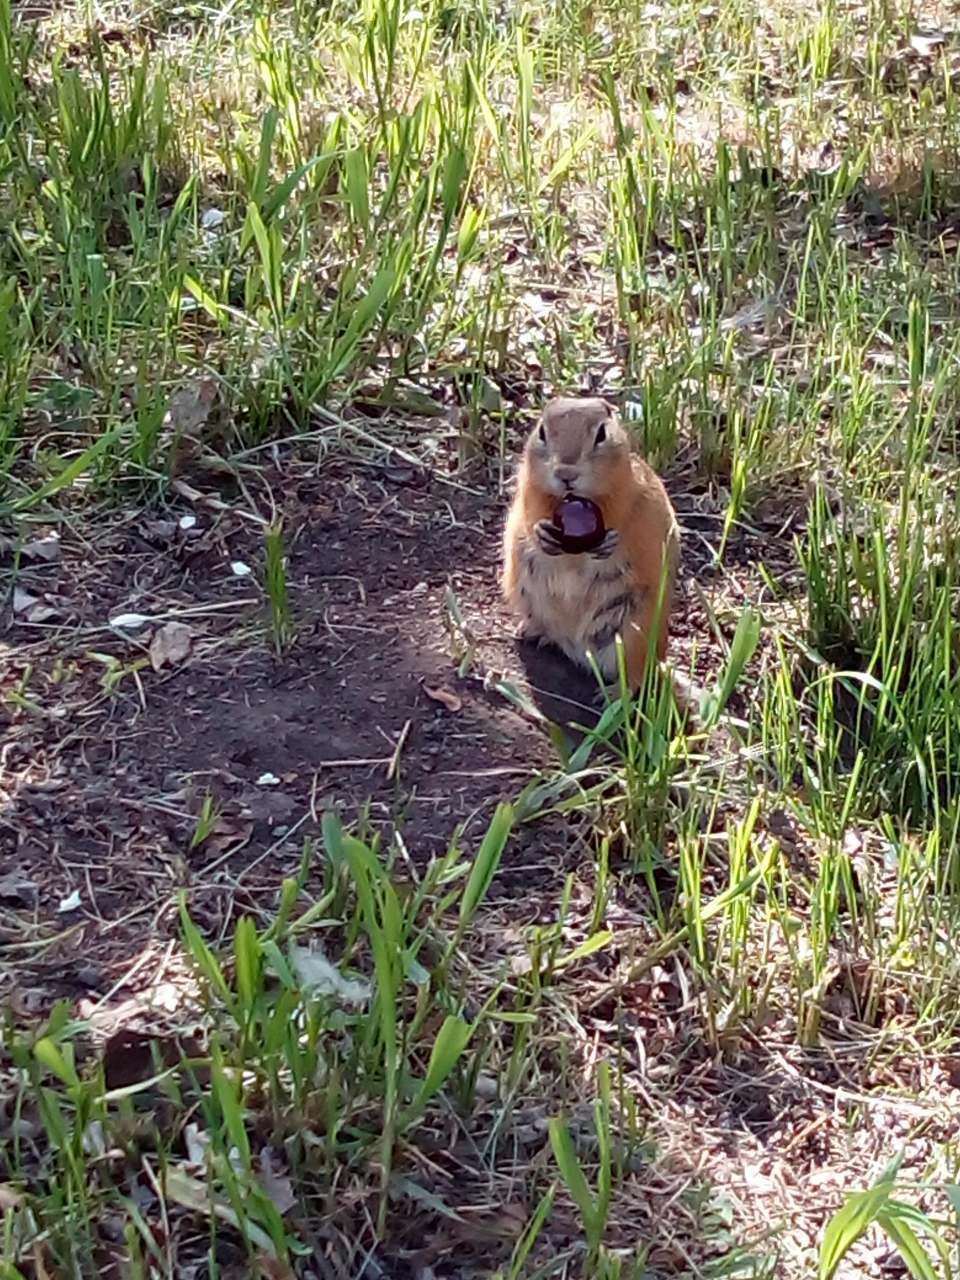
(580, 602)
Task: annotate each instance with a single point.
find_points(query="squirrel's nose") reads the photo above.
(566, 475)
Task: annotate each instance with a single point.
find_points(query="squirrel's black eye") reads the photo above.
(601, 434)
(542, 434)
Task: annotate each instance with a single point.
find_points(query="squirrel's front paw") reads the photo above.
(608, 546)
(548, 538)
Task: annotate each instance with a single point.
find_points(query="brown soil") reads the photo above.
(106, 768)
(103, 786)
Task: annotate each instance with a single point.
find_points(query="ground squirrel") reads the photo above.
(581, 602)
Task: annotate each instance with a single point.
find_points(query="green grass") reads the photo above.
(737, 219)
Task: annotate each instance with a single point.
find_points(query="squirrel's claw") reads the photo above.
(548, 538)
(608, 546)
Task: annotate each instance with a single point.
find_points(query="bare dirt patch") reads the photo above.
(111, 769)
(108, 763)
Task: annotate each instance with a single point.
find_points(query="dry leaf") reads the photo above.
(264, 354)
(10, 1198)
(276, 1183)
(30, 1002)
(158, 530)
(187, 491)
(32, 608)
(46, 548)
(44, 613)
(23, 601)
(195, 1195)
(93, 1140)
(14, 887)
(227, 834)
(189, 407)
(197, 1142)
(446, 697)
(274, 1268)
(39, 1267)
(762, 311)
(319, 977)
(505, 1222)
(170, 645)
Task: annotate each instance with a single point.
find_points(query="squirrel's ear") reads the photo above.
(611, 407)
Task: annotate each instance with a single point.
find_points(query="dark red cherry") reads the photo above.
(580, 522)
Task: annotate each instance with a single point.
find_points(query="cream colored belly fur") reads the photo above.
(576, 603)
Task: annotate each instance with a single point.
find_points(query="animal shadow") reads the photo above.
(568, 695)
(561, 691)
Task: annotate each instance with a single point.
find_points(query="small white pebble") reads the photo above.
(486, 1088)
(239, 569)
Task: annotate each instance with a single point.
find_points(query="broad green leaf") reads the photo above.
(356, 172)
(279, 197)
(910, 1214)
(566, 159)
(256, 230)
(386, 957)
(452, 1038)
(70, 473)
(601, 1112)
(332, 830)
(745, 641)
(49, 1055)
(270, 251)
(177, 214)
(487, 861)
(205, 300)
(196, 1196)
(279, 965)
(454, 172)
(908, 1246)
(248, 961)
(261, 176)
(471, 224)
(226, 1088)
(483, 102)
(363, 316)
(531, 1233)
(848, 1224)
(569, 1166)
(596, 942)
(203, 957)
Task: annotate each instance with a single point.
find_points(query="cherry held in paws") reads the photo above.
(580, 523)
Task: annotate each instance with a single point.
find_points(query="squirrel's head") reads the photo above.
(580, 447)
